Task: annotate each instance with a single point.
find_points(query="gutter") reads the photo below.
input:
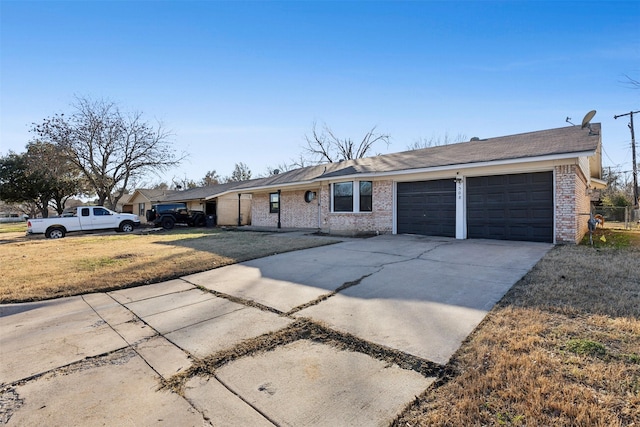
(454, 167)
(597, 184)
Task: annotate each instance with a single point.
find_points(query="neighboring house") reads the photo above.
(227, 208)
(534, 186)
(140, 201)
(123, 204)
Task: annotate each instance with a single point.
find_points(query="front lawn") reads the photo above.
(34, 268)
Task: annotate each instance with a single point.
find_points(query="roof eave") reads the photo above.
(598, 184)
(457, 166)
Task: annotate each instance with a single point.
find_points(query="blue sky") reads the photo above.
(245, 81)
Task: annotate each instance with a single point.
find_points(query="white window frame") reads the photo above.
(356, 197)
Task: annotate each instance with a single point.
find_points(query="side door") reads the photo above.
(84, 216)
(101, 219)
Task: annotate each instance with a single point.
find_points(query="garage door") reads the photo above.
(427, 207)
(511, 207)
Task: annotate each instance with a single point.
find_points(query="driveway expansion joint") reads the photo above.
(239, 396)
(237, 300)
(302, 329)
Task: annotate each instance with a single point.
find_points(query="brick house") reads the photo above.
(534, 186)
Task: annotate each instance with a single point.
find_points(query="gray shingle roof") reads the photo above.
(153, 194)
(553, 142)
(208, 192)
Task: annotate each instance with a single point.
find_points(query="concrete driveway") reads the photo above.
(100, 358)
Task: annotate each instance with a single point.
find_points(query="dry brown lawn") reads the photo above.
(35, 268)
(562, 348)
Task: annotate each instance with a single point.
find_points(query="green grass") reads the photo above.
(586, 347)
(13, 227)
(610, 238)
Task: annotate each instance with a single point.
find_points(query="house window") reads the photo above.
(141, 211)
(347, 197)
(343, 197)
(274, 203)
(366, 200)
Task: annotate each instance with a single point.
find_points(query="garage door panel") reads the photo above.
(426, 207)
(497, 198)
(516, 179)
(511, 207)
(541, 214)
(519, 214)
(520, 196)
(475, 198)
(539, 196)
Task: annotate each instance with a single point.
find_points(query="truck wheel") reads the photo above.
(200, 221)
(126, 227)
(55, 233)
(167, 223)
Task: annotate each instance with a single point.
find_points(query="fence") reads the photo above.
(625, 215)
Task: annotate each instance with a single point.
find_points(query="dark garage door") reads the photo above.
(511, 207)
(427, 207)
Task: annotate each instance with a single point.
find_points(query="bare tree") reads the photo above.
(241, 172)
(326, 147)
(109, 148)
(300, 162)
(434, 141)
(280, 168)
(160, 186)
(211, 178)
(183, 183)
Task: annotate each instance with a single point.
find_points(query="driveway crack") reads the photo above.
(324, 297)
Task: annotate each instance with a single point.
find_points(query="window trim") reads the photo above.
(355, 196)
(360, 197)
(333, 197)
(273, 209)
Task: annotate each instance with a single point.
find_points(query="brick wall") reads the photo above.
(572, 202)
(296, 213)
(380, 220)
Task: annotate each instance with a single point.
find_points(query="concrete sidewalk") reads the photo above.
(98, 359)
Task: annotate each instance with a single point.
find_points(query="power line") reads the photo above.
(607, 154)
(633, 155)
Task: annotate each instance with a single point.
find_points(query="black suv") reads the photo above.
(169, 214)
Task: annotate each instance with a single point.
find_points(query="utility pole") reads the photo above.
(633, 156)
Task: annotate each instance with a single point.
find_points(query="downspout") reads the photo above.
(319, 209)
(279, 208)
(239, 211)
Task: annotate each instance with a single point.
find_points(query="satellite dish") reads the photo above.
(587, 118)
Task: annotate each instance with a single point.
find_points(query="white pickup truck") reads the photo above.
(82, 218)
